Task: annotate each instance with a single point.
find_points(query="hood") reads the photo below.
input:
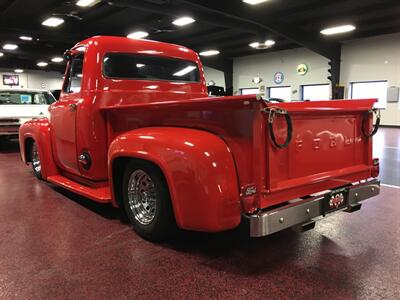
(23, 111)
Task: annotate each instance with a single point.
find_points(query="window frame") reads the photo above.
(273, 87)
(249, 88)
(368, 81)
(314, 84)
(147, 79)
(67, 80)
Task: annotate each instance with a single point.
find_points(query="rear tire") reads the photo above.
(147, 201)
(35, 161)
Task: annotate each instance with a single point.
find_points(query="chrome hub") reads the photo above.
(142, 197)
(36, 159)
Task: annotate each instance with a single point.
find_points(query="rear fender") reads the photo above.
(199, 169)
(39, 131)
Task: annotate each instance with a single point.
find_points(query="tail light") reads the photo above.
(375, 167)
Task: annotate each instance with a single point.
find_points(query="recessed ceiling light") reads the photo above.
(209, 53)
(25, 38)
(10, 46)
(57, 59)
(138, 35)
(1, 54)
(18, 71)
(183, 21)
(42, 64)
(86, 3)
(338, 29)
(254, 2)
(267, 44)
(140, 65)
(53, 22)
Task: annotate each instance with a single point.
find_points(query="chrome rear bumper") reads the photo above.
(304, 211)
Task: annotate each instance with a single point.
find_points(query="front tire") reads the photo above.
(36, 163)
(147, 201)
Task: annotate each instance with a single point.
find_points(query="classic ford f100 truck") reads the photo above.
(134, 127)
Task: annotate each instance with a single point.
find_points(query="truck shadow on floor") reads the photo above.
(234, 252)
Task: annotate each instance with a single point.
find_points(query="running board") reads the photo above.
(99, 194)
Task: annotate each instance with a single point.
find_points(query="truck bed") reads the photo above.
(327, 149)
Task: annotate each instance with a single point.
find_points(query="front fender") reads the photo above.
(39, 131)
(199, 169)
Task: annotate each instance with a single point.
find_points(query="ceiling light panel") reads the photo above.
(18, 71)
(183, 21)
(53, 22)
(10, 46)
(42, 64)
(138, 35)
(25, 38)
(209, 53)
(254, 2)
(1, 54)
(338, 29)
(57, 59)
(87, 3)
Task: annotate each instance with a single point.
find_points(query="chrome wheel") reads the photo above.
(37, 167)
(142, 197)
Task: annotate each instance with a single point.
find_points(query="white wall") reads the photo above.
(266, 65)
(214, 75)
(376, 58)
(35, 79)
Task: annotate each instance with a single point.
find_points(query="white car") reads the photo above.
(20, 105)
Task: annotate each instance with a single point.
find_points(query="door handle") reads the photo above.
(72, 107)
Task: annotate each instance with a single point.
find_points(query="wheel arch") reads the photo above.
(38, 131)
(199, 170)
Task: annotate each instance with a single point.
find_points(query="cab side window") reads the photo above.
(74, 75)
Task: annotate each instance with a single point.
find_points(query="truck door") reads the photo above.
(63, 117)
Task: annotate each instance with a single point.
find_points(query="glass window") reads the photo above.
(315, 92)
(282, 92)
(249, 91)
(74, 77)
(134, 66)
(28, 97)
(371, 89)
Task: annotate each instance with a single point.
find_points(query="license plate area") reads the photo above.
(335, 200)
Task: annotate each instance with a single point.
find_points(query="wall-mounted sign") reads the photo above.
(279, 77)
(10, 79)
(302, 69)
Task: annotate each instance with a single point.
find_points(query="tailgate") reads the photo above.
(328, 148)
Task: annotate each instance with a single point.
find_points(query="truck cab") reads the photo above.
(134, 127)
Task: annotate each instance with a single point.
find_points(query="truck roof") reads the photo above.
(140, 46)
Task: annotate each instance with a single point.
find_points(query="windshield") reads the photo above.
(145, 67)
(25, 98)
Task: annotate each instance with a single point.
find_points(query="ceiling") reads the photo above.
(228, 26)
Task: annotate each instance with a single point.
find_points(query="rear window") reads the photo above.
(24, 98)
(134, 66)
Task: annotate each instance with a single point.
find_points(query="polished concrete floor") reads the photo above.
(56, 245)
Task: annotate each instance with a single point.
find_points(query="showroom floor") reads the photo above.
(55, 244)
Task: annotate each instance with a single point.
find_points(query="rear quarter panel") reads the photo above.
(199, 169)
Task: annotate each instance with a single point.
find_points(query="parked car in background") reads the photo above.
(20, 105)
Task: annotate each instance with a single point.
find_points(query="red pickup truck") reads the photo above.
(134, 127)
